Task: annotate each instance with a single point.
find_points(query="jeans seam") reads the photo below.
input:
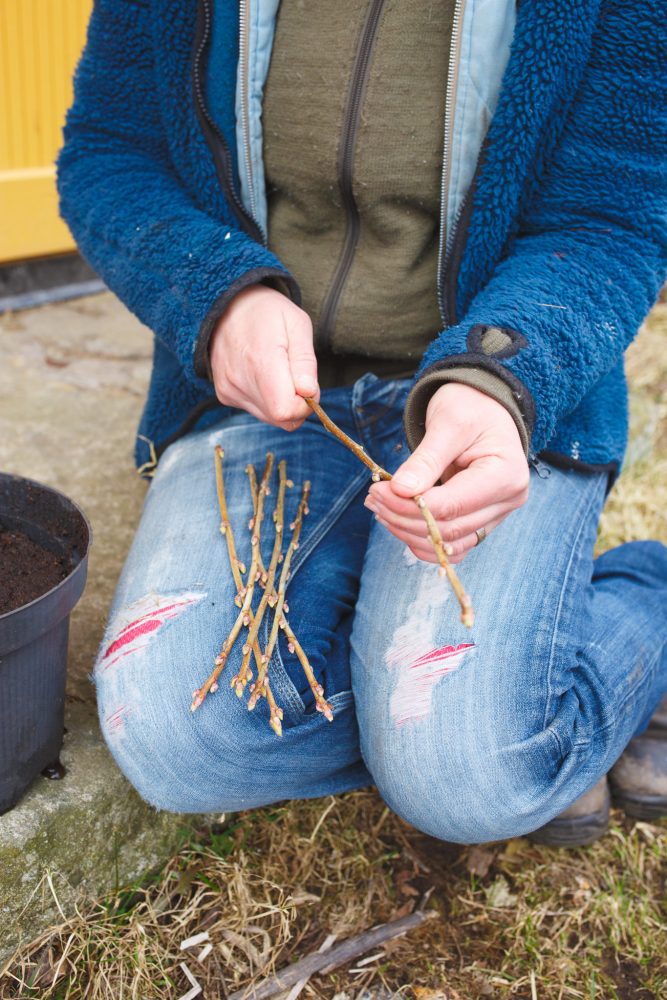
(561, 598)
(348, 495)
(325, 525)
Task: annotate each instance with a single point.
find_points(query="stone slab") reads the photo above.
(76, 838)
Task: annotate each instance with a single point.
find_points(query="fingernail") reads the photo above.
(408, 480)
(370, 503)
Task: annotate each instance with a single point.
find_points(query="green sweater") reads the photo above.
(353, 130)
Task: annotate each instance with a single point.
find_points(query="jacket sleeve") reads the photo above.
(170, 261)
(590, 253)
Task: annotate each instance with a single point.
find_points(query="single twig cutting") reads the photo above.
(378, 473)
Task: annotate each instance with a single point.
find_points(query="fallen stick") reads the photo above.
(334, 957)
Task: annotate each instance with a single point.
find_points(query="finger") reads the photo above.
(420, 548)
(417, 542)
(276, 393)
(423, 547)
(450, 530)
(487, 481)
(301, 355)
(462, 546)
(428, 461)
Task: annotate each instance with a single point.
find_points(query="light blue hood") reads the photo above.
(486, 30)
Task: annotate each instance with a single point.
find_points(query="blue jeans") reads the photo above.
(470, 736)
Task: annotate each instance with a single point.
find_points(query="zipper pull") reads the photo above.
(541, 469)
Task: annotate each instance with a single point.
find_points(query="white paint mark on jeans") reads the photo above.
(415, 655)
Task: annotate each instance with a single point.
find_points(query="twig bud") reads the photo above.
(290, 646)
(214, 687)
(275, 725)
(376, 477)
(223, 529)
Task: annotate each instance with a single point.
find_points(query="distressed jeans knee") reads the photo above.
(490, 733)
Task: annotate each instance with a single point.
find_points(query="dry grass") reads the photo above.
(517, 920)
(273, 884)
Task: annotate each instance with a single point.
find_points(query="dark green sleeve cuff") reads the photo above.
(280, 280)
(493, 385)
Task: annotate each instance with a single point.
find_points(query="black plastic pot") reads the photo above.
(33, 638)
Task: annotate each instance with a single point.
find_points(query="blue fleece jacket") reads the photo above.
(563, 240)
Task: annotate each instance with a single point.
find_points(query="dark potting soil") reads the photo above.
(27, 570)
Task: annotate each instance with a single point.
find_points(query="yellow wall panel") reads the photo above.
(40, 43)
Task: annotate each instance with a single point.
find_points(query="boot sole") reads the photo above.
(648, 807)
(577, 832)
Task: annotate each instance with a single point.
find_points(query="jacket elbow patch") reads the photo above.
(495, 341)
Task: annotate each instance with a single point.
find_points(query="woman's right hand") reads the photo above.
(262, 357)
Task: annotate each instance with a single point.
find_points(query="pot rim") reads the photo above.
(50, 489)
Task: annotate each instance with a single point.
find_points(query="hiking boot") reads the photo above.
(638, 779)
(586, 820)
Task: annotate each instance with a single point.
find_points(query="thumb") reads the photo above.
(425, 465)
(302, 360)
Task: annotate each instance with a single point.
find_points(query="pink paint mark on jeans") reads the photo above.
(411, 698)
(146, 617)
(115, 721)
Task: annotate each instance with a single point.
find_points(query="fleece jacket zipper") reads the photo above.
(352, 113)
(212, 134)
(450, 241)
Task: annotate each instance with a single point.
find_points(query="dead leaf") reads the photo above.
(498, 894)
(479, 861)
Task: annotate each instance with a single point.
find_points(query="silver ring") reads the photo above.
(481, 535)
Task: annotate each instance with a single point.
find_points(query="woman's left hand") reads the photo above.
(470, 468)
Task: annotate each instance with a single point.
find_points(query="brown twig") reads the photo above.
(334, 957)
(278, 516)
(294, 646)
(467, 613)
(226, 528)
(239, 680)
(245, 615)
(378, 473)
(252, 479)
(278, 617)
